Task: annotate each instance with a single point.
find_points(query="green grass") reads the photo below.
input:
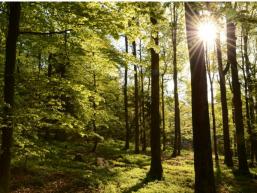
(121, 172)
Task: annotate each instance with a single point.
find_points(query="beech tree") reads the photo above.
(156, 166)
(211, 79)
(9, 85)
(126, 99)
(204, 176)
(177, 140)
(223, 95)
(237, 102)
(136, 101)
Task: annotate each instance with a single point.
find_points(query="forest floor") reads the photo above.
(113, 170)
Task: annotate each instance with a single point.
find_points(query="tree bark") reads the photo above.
(211, 77)
(136, 101)
(204, 176)
(126, 99)
(156, 166)
(143, 134)
(9, 84)
(249, 102)
(163, 115)
(223, 95)
(231, 53)
(177, 139)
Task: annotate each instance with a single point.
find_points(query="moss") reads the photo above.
(125, 172)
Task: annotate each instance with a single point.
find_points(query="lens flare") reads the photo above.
(207, 32)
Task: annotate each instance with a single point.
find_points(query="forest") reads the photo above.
(122, 97)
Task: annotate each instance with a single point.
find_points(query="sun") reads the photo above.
(207, 32)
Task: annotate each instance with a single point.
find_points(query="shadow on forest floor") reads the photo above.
(119, 171)
(230, 180)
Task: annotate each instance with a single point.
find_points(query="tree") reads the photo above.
(177, 140)
(211, 78)
(223, 95)
(136, 101)
(204, 177)
(156, 166)
(9, 84)
(248, 84)
(163, 106)
(142, 102)
(126, 99)
(231, 54)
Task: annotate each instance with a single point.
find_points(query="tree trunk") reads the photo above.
(177, 139)
(214, 126)
(126, 99)
(223, 95)
(211, 77)
(50, 67)
(94, 115)
(249, 102)
(9, 84)
(136, 101)
(163, 115)
(143, 140)
(156, 166)
(231, 52)
(204, 176)
(39, 64)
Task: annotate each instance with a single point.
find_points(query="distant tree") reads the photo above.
(142, 102)
(136, 101)
(177, 140)
(126, 99)
(211, 79)
(163, 104)
(204, 176)
(94, 113)
(223, 95)
(249, 90)
(231, 54)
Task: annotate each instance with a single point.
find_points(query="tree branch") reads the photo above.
(226, 69)
(45, 33)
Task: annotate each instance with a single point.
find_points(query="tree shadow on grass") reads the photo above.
(140, 185)
(237, 182)
(137, 186)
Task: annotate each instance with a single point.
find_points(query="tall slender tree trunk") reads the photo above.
(9, 84)
(249, 102)
(94, 115)
(126, 99)
(136, 102)
(231, 52)
(177, 139)
(233, 120)
(156, 166)
(143, 134)
(204, 176)
(211, 77)
(39, 63)
(223, 95)
(214, 126)
(50, 67)
(163, 114)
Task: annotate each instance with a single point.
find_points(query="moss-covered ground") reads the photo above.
(114, 170)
